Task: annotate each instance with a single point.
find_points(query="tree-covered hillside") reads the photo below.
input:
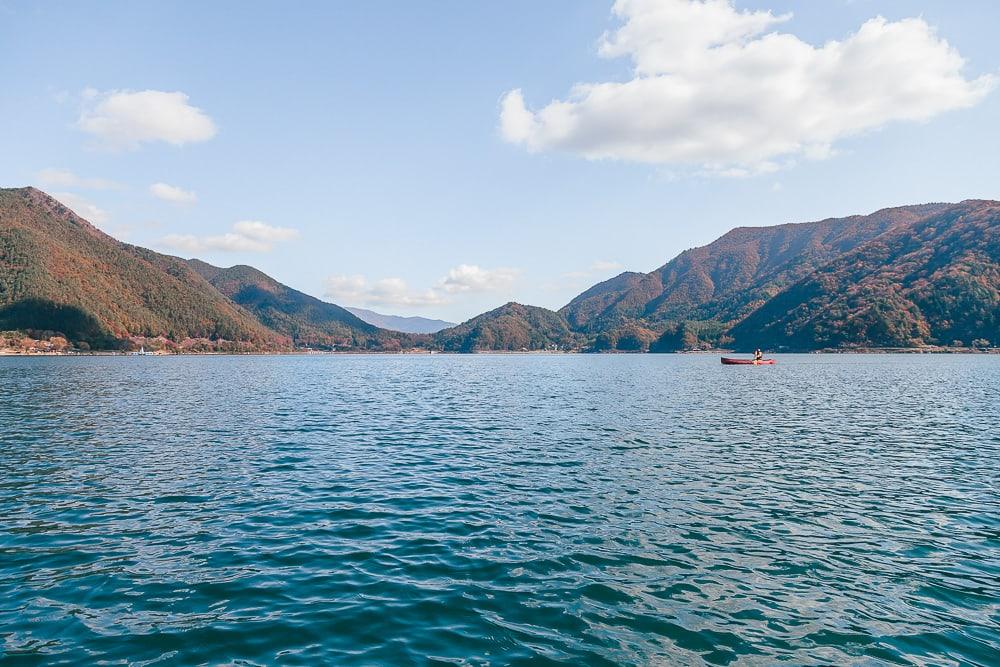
(308, 321)
(727, 279)
(936, 280)
(902, 277)
(59, 273)
(511, 327)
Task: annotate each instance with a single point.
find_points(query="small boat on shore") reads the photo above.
(730, 361)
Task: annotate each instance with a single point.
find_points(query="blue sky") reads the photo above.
(366, 153)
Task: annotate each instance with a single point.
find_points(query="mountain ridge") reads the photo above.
(61, 274)
(308, 321)
(757, 261)
(512, 327)
(404, 324)
(936, 279)
(58, 272)
(909, 276)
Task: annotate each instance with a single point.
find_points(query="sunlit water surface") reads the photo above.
(397, 510)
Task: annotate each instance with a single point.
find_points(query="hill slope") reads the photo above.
(59, 273)
(899, 277)
(416, 325)
(305, 319)
(608, 303)
(933, 280)
(728, 278)
(511, 327)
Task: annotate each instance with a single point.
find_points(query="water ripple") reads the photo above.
(511, 510)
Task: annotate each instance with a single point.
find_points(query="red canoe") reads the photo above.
(729, 361)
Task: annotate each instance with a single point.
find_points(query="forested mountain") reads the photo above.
(935, 280)
(308, 321)
(416, 325)
(613, 301)
(731, 276)
(511, 327)
(59, 273)
(901, 277)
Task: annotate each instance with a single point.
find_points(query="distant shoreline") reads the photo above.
(418, 352)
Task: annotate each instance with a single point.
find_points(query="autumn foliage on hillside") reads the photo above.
(730, 277)
(511, 327)
(902, 277)
(934, 281)
(59, 273)
(308, 321)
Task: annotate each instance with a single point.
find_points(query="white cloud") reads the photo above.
(83, 208)
(350, 289)
(127, 119)
(472, 278)
(172, 193)
(247, 236)
(263, 232)
(223, 242)
(64, 178)
(357, 290)
(714, 89)
(747, 170)
(662, 36)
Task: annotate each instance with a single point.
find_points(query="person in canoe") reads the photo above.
(758, 355)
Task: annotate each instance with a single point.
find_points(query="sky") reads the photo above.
(443, 158)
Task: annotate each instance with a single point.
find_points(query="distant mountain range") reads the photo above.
(416, 325)
(900, 277)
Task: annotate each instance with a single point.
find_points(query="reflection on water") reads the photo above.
(500, 510)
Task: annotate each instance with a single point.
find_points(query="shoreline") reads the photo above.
(314, 353)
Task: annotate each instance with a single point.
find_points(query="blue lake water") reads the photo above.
(412, 510)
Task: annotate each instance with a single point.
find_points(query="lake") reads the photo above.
(500, 509)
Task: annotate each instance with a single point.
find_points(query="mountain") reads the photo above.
(511, 327)
(933, 280)
(59, 273)
(730, 277)
(416, 325)
(612, 301)
(308, 321)
(900, 277)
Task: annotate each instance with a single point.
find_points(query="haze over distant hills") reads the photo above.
(418, 325)
(901, 277)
